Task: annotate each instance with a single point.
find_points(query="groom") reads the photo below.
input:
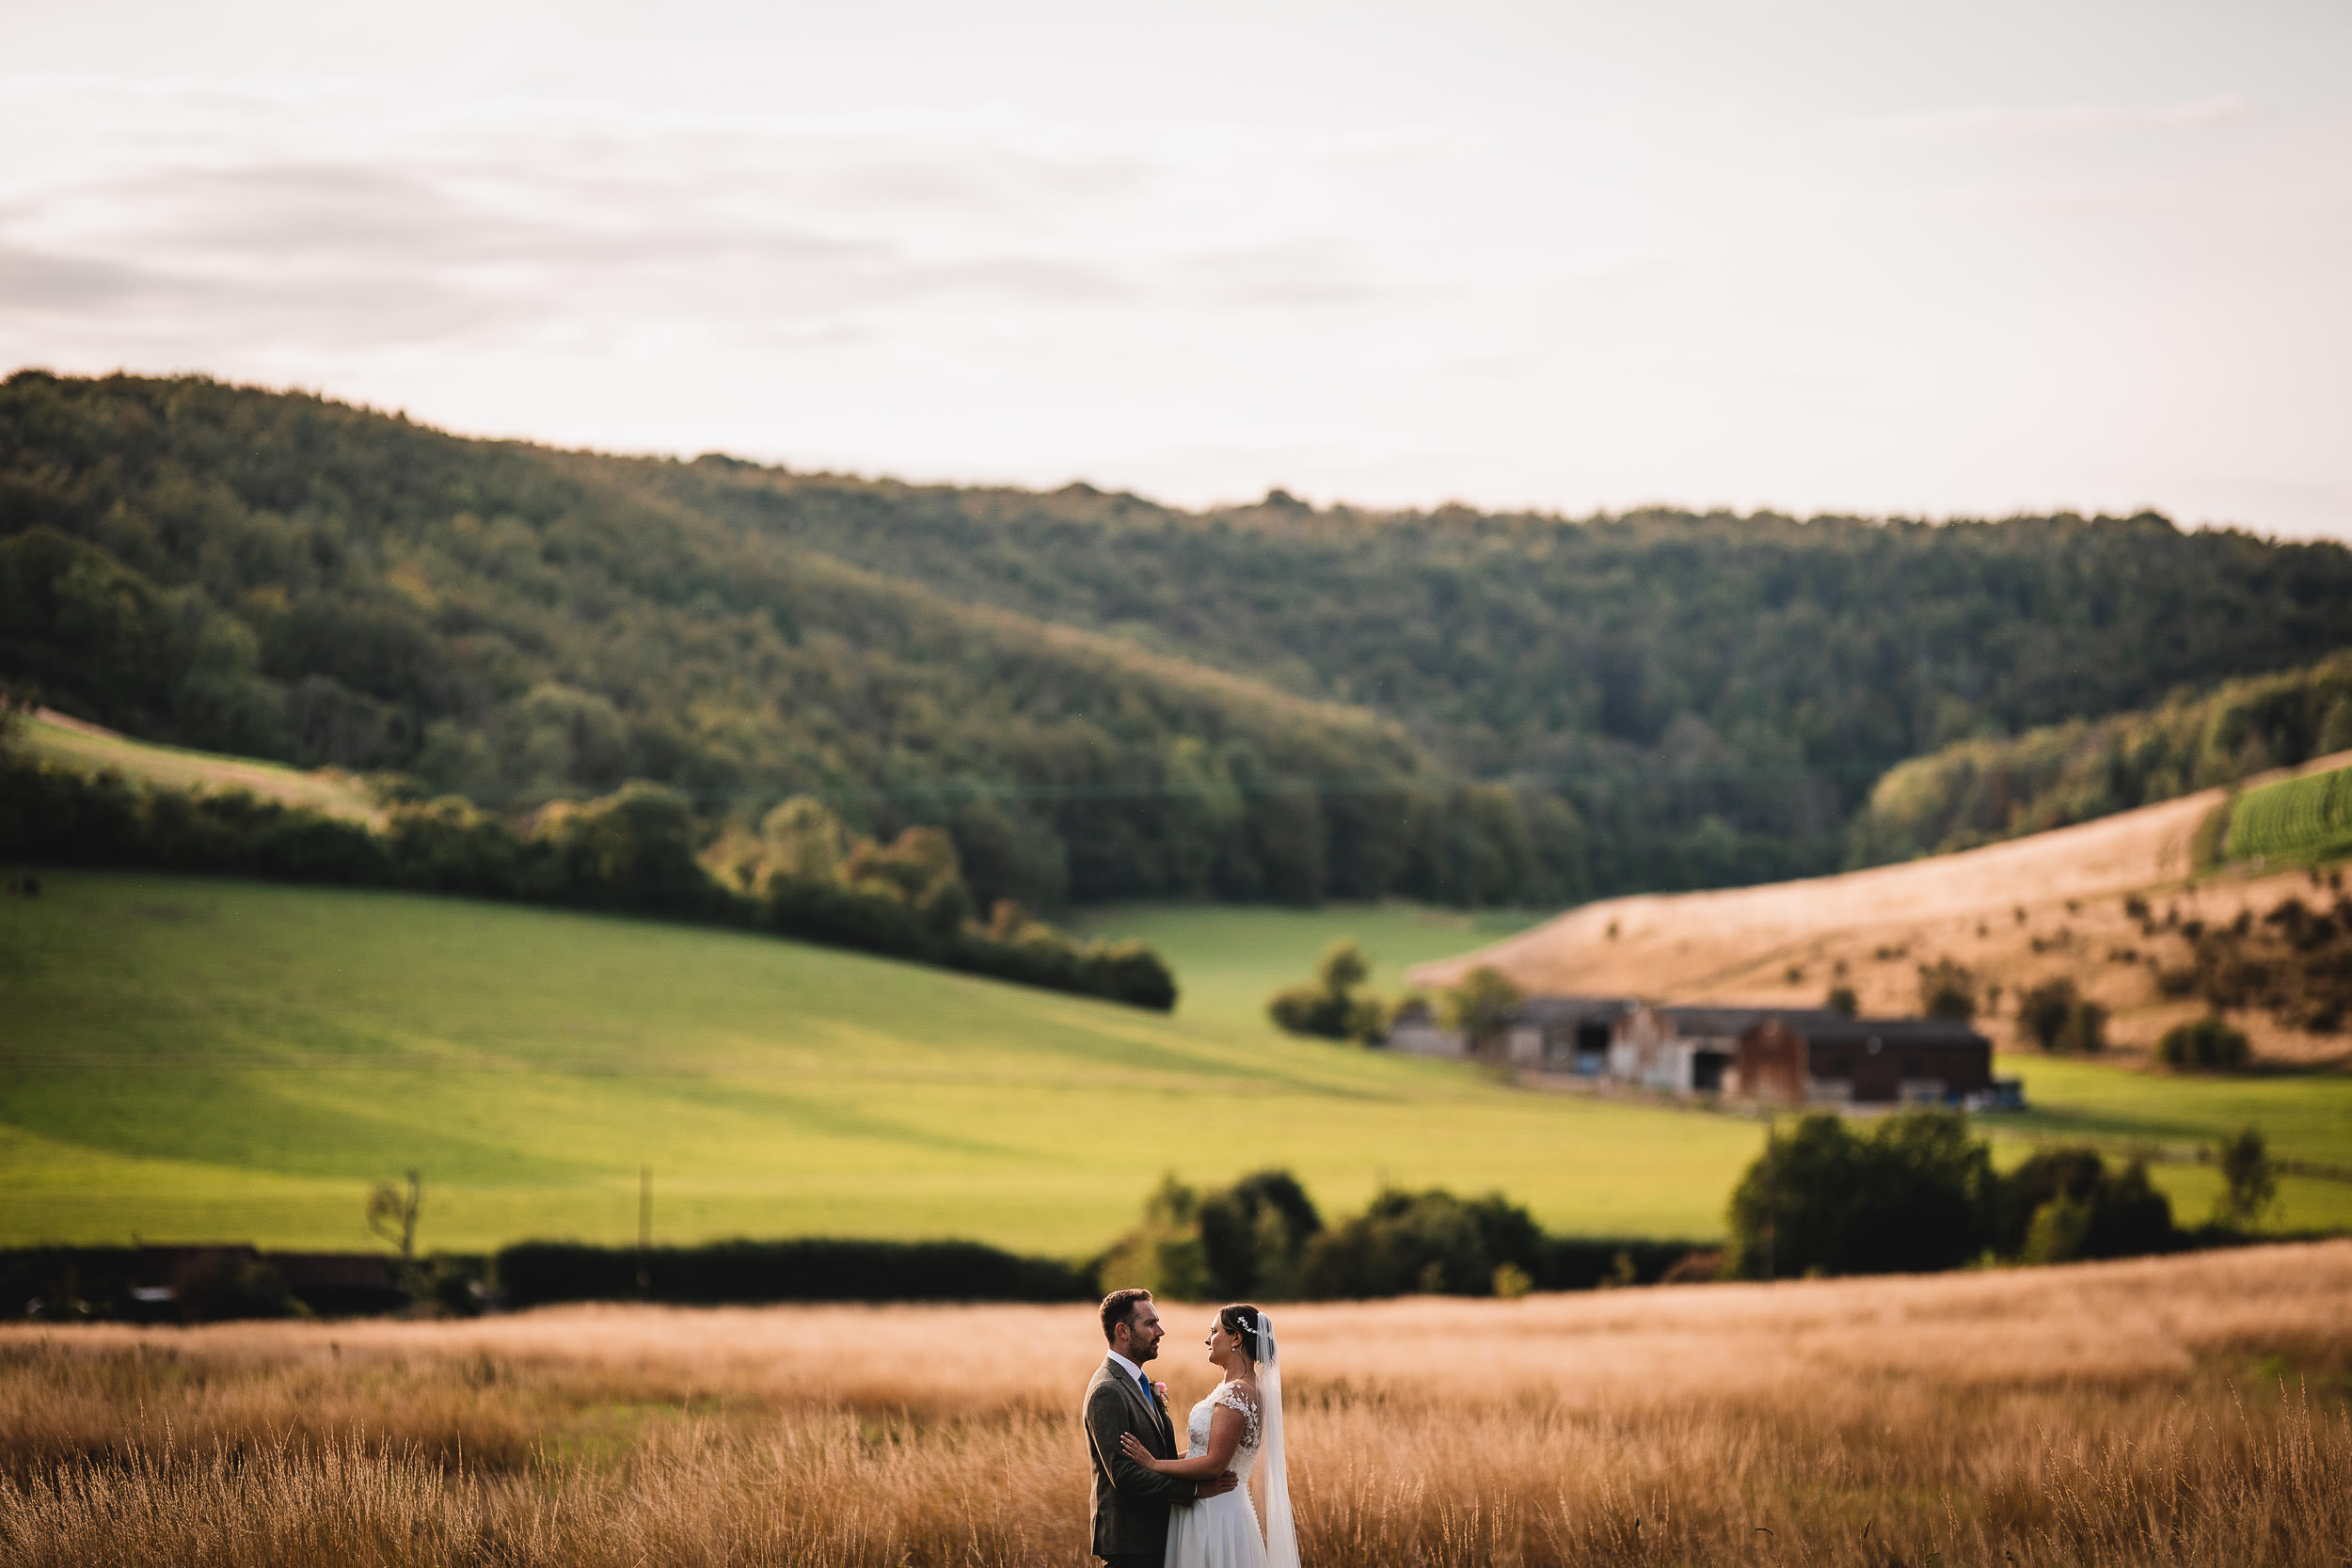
(1131, 1503)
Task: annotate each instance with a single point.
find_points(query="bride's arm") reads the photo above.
(1225, 1428)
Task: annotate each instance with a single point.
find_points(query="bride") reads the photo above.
(1241, 1419)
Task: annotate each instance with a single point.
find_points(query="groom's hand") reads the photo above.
(1218, 1487)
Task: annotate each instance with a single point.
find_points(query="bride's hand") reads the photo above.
(1131, 1446)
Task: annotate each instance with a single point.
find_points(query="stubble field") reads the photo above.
(2184, 1410)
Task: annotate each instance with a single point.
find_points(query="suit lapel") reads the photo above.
(1155, 1416)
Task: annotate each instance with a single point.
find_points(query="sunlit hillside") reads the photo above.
(194, 1059)
(51, 737)
(2052, 904)
(209, 1059)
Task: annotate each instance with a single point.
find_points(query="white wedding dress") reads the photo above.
(1220, 1531)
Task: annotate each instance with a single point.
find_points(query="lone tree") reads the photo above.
(1482, 1006)
(393, 1214)
(1948, 988)
(2249, 1179)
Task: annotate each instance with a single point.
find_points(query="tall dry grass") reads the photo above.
(2162, 1412)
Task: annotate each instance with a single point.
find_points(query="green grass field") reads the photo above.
(197, 1059)
(2293, 819)
(189, 1058)
(2303, 1116)
(1230, 960)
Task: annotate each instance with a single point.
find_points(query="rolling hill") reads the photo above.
(190, 1058)
(1100, 698)
(194, 1059)
(2016, 911)
(1981, 791)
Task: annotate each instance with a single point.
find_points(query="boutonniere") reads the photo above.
(1163, 1388)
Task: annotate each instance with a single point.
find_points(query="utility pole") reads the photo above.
(644, 1232)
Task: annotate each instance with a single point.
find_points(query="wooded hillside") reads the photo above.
(1981, 791)
(1097, 696)
(1715, 695)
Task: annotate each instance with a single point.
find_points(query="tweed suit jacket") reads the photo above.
(1131, 1503)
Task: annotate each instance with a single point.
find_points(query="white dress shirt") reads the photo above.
(1134, 1375)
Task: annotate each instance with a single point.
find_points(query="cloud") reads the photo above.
(1302, 273)
(2003, 123)
(503, 225)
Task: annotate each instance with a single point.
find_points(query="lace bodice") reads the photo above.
(1233, 1396)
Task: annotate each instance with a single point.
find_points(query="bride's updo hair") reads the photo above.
(1241, 1321)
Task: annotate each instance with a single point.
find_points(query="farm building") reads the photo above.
(1863, 1061)
(1551, 1034)
(1792, 1054)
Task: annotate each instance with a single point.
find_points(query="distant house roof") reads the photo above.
(1819, 1026)
(1573, 1010)
(1834, 1029)
(1731, 1023)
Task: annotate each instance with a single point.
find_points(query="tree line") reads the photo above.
(634, 851)
(1913, 1192)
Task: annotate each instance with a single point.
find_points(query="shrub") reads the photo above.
(1165, 1255)
(1430, 1242)
(1329, 1005)
(1948, 988)
(534, 1272)
(1254, 1236)
(1261, 1239)
(2207, 1042)
(225, 1285)
(2294, 963)
(2064, 1203)
(1914, 1193)
(631, 850)
(1480, 1006)
(1246, 1242)
(2057, 1017)
(1842, 1000)
(2056, 1231)
(2085, 1032)
(1585, 1263)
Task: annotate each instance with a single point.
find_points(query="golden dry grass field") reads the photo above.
(2182, 1411)
(88, 748)
(2017, 912)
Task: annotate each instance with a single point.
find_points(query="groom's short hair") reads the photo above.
(1119, 1307)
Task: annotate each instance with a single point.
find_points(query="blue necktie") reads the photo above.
(1146, 1393)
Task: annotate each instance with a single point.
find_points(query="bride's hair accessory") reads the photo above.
(1241, 1321)
(1281, 1531)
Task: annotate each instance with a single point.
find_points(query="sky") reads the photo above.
(1889, 257)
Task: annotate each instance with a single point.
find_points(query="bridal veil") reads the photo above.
(1282, 1535)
